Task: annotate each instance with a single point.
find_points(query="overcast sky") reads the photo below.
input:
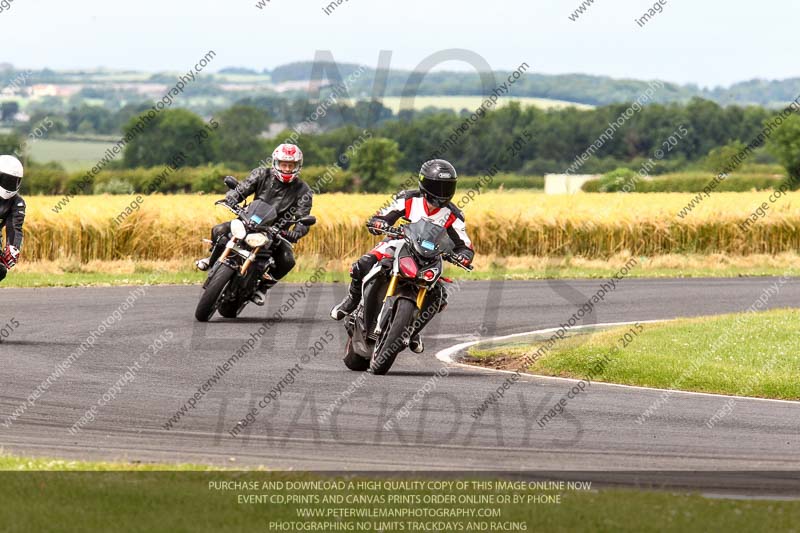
(711, 42)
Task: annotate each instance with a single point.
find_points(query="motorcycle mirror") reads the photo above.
(231, 182)
(308, 220)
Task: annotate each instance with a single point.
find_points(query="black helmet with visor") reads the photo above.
(437, 182)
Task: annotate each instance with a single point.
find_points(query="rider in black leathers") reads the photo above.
(12, 212)
(281, 187)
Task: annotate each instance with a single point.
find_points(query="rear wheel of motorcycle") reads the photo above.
(209, 301)
(352, 360)
(393, 341)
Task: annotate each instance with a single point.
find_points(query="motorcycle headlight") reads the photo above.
(237, 229)
(254, 240)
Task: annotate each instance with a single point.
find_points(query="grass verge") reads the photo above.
(751, 354)
(44, 464)
(107, 498)
(70, 273)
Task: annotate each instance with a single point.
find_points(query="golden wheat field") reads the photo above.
(502, 224)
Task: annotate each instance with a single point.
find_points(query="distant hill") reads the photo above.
(291, 82)
(578, 88)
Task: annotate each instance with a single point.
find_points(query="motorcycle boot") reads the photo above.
(350, 302)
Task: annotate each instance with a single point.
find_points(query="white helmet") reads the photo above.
(291, 154)
(10, 176)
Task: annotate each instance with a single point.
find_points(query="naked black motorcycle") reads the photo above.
(232, 280)
(394, 295)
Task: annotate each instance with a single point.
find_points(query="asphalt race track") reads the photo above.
(599, 430)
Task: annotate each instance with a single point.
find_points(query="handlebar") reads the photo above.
(399, 233)
(238, 211)
(392, 231)
(451, 258)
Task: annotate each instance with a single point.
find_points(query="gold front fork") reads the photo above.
(225, 254)
(423, 291)
(249, 261)
(392, 287)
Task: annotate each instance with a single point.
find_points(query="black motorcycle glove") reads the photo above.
(292, 235)
(296, 234)
(377, 226)
(232, 198)
(462, 259)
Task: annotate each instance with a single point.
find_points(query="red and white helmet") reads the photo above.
(288, 153)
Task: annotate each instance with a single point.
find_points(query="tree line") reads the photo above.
(557, 137)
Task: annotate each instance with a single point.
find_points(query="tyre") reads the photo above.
(395, 339)
(210, 299)
(230, 309)
(352, 360)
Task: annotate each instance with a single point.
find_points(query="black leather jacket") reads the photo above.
(12, 216)
(291, 200)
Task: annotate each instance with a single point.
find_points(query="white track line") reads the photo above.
(447, 356)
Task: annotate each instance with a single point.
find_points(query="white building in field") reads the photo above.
(566, 183)
(49, 89)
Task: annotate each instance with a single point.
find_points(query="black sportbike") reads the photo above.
(232, 281)
(394, 295)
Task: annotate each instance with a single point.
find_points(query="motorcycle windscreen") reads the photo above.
(261, 214)
(428, 239)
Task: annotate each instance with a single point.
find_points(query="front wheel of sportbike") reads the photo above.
(231, 308)
(209, 301)
(393, 341)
